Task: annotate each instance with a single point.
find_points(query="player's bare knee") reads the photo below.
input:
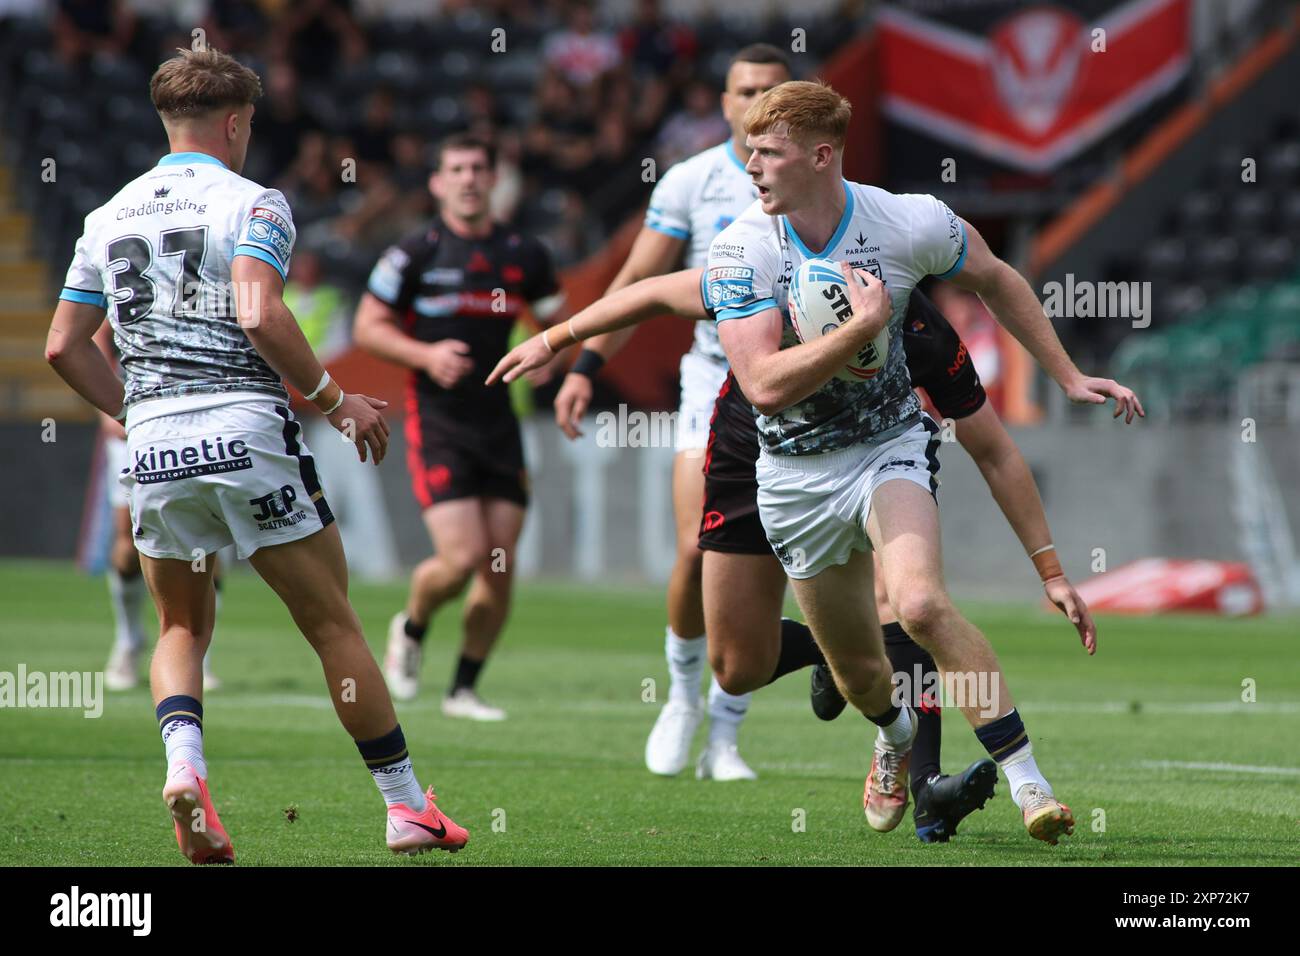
(463, 562)
(923, 611)
(740, 676)
(861, 676)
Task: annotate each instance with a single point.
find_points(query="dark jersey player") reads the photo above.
(443, 303)
(750, 645)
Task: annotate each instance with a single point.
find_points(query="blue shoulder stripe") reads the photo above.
(256, 253)
(84, 297)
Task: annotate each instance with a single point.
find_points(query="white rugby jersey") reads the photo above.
(696, 199)
(900, 239)
(157, 256)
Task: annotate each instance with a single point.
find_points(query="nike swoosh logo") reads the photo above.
(439, 833)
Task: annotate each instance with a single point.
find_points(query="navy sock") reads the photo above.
(1004, 737)
(415, 631)
(182, 708)
(384, 751)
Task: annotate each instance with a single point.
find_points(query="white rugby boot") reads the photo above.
(668, 749)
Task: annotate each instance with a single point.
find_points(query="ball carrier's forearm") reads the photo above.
(785, 377)
(774, 378)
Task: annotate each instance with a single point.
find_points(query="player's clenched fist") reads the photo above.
(359, 419)
(448, 361)
(870, 302)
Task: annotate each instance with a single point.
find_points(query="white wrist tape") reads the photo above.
(320, 387)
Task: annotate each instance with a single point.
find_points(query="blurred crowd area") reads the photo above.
(575, 94)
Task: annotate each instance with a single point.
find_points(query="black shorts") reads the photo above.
(731, 522)
(446, 465)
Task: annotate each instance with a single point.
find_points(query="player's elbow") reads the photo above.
(54, 353)
(263, 316)
(765, 391)
(363, 331)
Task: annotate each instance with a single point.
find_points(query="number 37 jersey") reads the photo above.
(157, 257)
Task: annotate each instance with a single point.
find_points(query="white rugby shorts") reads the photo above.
(814, 508)
(702, 379)
(115, 459)
(234, 473)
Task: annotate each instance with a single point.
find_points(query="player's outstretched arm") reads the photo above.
(773, 378)
(653, 254)
(71, 351)
(274, 332)
(1013, 303)
(1008, 476)
(677, 292)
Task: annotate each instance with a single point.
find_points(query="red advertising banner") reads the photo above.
(1040, 84)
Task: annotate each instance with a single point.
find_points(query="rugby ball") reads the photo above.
(819, 304)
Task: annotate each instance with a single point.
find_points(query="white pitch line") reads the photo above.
(1220, 767)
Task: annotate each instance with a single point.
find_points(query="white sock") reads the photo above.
(686, 659)
(726, 712)
(1021, 769)
(126, 596)
(398, 784)
(897, 734)
(183, 741)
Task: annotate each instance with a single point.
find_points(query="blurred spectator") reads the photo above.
(580, 53)
(484, 115)
(561, 141)
(573, 112)
(312, 184)
(662, 57)
(280, 122)
(369, 139)
(83, 28)
(235, 26)
(698, 125)
(320, 36)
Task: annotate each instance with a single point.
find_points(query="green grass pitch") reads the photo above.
(1150, 743)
